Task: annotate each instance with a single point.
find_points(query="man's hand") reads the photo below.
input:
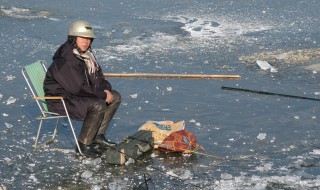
(109, 98)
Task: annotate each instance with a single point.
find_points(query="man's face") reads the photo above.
(83, 43)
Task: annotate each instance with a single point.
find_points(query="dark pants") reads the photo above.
(98, 118)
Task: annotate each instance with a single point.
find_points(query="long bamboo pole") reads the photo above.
(162, 75)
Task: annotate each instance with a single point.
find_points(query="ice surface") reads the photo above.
(201, 36)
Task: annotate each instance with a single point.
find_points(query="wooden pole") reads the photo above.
(161, 75)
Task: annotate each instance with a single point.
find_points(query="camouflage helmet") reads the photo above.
(81, 28)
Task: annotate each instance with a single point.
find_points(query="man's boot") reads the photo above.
(102, 141)
(88, 150)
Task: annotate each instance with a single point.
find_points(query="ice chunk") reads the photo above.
(226, 176)
(86, 174)
(32, 177)
(53, 19)
(11, 100)
(8, 161)
(134, 95)
(1, 96)
(172, 174)
(8, 125)
(265, 167)
(96, 187)
(10, 77)
(153, 155)
(261, 185)
(261, 136)
(281, 56)
(315, 152)
(129, 161)
(187, 174)
(96, 161)
(169, 88)
(264, 65)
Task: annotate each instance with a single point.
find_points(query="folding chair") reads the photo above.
(34, 75)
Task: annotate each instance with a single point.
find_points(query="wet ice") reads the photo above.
(196, 40)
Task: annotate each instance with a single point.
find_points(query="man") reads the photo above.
(76, 75)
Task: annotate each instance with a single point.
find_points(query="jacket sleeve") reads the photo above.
(105, 84)
(72, 77)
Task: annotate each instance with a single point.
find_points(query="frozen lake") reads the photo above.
(270, 142)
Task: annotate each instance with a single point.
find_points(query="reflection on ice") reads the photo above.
(24, 13)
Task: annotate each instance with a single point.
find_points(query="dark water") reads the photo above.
(271, 142)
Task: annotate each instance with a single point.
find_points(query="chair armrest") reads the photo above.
(48, 98)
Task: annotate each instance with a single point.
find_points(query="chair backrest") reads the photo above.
(34, 75)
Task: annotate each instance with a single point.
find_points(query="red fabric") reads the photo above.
(180, 141)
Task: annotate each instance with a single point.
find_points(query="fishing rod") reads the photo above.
(188, 151)
(268, 93)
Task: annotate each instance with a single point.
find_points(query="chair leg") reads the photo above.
(49, 141)
(54, 132)
(38, 133)
(74, 135)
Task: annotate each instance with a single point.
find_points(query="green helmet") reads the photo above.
(81, 28)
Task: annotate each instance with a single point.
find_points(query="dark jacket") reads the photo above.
(68, 76)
